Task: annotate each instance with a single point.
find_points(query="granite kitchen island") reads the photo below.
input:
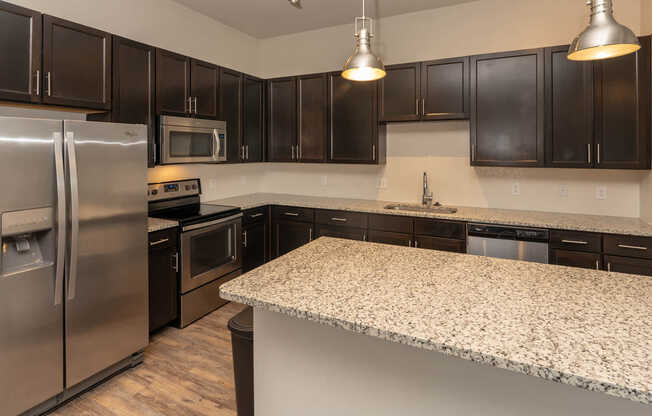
(352, 328)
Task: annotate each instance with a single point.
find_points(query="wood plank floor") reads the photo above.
(186, 372)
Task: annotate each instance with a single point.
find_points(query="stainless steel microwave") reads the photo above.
(191, 140)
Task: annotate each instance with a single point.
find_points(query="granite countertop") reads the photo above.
(158, 224)
(552, 220)
(585, 328)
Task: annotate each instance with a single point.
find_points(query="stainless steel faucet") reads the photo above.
(427, 195)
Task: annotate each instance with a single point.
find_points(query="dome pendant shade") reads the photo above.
(363, 65)
(604, 38)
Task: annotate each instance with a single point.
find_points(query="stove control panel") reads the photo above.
(174, 189)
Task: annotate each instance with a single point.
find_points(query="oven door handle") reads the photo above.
(210, 223)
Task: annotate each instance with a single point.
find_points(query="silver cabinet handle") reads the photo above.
(310, 234)
(247, 152)
(291, 214)
(589, 150)
(189, 103)
(416, 244)
(292, 150)
(409, 243)
(632, 247)
(61, 217)
(244, 238)
(597, 265)
(196, 111)
(423, 106)
(38, 82)
(49, 75)
(598, 153)
(416, 107)
(159, 242)
(256, 215)
(609, 266)
(242, 152)
(373, 151)
(339, 219)
(176, 262)
(574, 242)
(364, 236)
(74, 215)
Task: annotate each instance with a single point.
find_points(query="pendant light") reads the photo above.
(363, 65)
(604, 38)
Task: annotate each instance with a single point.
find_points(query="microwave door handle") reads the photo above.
(218, 148)
(74, 215)
(61, 217)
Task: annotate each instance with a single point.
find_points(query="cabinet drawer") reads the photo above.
(576, 241)
(438, 228)
(339, 231)
(391, 238)
(628, 246)
(347, 218)
(163, 239)
(391, 223)
(254, 215)
(294, 213)
(576, 259)
(628, 265)
(441, 244)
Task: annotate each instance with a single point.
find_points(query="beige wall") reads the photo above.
(442, 148)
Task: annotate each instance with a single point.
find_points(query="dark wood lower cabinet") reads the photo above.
(441, 244)
(254, 242)
(628, 265)
(576, 259)
(339, 231)
(163, 289)
(289, 235)
(394, 239)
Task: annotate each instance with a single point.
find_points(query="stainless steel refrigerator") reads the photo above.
(73, 269)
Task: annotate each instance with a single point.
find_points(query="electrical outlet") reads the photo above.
(324, 180)
(382, 183)
(516, 188)
(563, 191)
(600, 192)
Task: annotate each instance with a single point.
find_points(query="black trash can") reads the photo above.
(242, 340)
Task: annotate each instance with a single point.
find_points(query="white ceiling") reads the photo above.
(269, 18)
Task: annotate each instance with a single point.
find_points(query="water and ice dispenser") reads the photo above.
(28, 240)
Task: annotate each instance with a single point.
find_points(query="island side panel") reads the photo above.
(302, 367)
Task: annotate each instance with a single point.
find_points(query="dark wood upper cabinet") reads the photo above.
(569, 111)
(231, 111)
(312, 117)
(204, 78)
(355, 135)
(76, 65)
(172, 83)
(253, 124)
(281, 119)
(445, 87)
(622, 88)
(133, 87)
(400, 93)
(20, 53)
(507, 109)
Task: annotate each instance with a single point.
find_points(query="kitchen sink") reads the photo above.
(435, 209)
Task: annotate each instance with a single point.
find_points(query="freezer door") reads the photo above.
(106, 274)
(31, 311)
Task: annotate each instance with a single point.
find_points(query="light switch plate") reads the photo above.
(516, 188)
(600, 192)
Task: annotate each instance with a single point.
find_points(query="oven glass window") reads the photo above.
(187, 144)
(211, 250)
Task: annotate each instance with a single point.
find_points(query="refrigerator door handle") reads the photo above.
(74, 215)
(61, 217)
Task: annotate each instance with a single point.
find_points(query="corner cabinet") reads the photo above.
(253, 126)
(507, 109)
(76, 65)
(355, 133)
(231, 112)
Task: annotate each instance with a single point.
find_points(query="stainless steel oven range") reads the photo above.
(191, 140)
(209, 241)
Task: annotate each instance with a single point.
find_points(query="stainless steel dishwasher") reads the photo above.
(517, 243)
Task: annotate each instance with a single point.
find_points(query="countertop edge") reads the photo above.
(477, 357)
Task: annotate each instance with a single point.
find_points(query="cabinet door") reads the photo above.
(445, 86)
(569, 111)
(254, 242)
(400, 93)
(312, 117)
(576, 259)
(289, 235)
(282, 120)
(354, 121)
(628, 265)
(441, 244)
(172, 83)
(622, 87)
(163, 289)
(133, 87)
(231, 111)
(203, 89)
(76, 65)
(386, 237)
(20, 53)
(253, 125)
(507, 109)
(338, 231)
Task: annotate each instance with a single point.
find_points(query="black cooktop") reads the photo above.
(193, 214)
